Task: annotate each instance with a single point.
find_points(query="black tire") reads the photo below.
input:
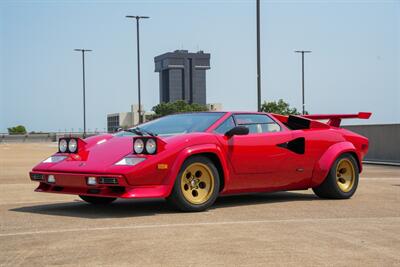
(331, 188)
(177, 198)
(97, 200)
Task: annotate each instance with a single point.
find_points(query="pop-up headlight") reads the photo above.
(68, 145)
(72, 145)
(63, 145)
(144, 145)
(151, 146)
(138, 146)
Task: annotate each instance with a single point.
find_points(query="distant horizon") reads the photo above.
(354, 66)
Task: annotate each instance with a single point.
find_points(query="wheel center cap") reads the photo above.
(193, 183)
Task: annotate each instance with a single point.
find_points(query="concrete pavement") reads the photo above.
(286, 228)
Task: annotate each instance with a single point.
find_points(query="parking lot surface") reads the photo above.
(285, 228)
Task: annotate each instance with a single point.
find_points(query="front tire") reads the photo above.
(342, 179)
(97, 200)
(197, 185)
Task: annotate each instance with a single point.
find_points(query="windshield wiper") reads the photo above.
(146, 131)
(140, 131)
(135, 131)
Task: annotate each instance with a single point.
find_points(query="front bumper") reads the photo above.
(76, 184)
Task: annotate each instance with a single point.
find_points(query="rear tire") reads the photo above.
(197, 185)
(98, 200)
(342, 179)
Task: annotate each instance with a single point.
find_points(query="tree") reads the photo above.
(19, 129)
(280, 107)
(178, 106)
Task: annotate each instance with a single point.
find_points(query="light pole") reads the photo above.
(83, 51)
(138, 60)
(258, 58)
(302, 76)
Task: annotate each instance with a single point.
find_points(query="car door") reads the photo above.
(256, 159)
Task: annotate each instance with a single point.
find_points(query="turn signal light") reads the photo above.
(51, 179)
(91, 181)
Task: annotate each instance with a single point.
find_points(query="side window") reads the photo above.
(228, 124)
(257, 123)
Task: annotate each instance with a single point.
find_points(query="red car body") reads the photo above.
(256, 162)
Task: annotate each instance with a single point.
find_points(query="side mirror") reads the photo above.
(238, 130)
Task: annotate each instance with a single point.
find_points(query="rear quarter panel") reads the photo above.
(340, 141)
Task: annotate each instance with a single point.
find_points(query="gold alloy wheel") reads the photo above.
(345, 175)
(197, 183)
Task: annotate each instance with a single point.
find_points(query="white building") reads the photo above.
(214, 107)
(129, 119)
(124, 119)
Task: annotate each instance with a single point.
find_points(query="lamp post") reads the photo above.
(83, 51)
(258, 58)
(302, 76)
(138, 60)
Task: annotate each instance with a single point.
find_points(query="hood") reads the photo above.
(97, 155)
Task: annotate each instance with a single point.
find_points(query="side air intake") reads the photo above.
(297, 145)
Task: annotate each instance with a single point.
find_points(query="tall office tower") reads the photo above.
(183, 76)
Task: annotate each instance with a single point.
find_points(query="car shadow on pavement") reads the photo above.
(262, 198)
(149, 207)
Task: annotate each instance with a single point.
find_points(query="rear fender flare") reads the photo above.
(324, 164)
(195, 150)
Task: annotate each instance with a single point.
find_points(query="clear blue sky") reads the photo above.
(355, 64)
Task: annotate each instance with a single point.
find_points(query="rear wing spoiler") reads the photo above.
(335, 119)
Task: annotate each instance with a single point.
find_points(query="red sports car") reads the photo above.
(192, 158)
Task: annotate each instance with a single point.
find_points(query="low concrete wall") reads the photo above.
(34, 138)
(384, 141)
(18, 138)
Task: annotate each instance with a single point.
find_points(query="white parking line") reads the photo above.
(380, 178)
(149, 226)
(39, 202)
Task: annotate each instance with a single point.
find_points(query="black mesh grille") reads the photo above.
(37, 176)
(108, 180)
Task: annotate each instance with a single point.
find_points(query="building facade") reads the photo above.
(124, 119)
(182, 76)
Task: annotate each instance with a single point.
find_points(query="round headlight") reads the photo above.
(138, 146)
(62, 145)
(72, 145)
(151, 146)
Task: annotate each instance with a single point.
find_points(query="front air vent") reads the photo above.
(37, 176)
(108, 180)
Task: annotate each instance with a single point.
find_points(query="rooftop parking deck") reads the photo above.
(276, 228)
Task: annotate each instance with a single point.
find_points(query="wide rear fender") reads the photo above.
(324, 164)
(195, 150)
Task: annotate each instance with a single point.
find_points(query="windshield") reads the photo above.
(180, 123)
